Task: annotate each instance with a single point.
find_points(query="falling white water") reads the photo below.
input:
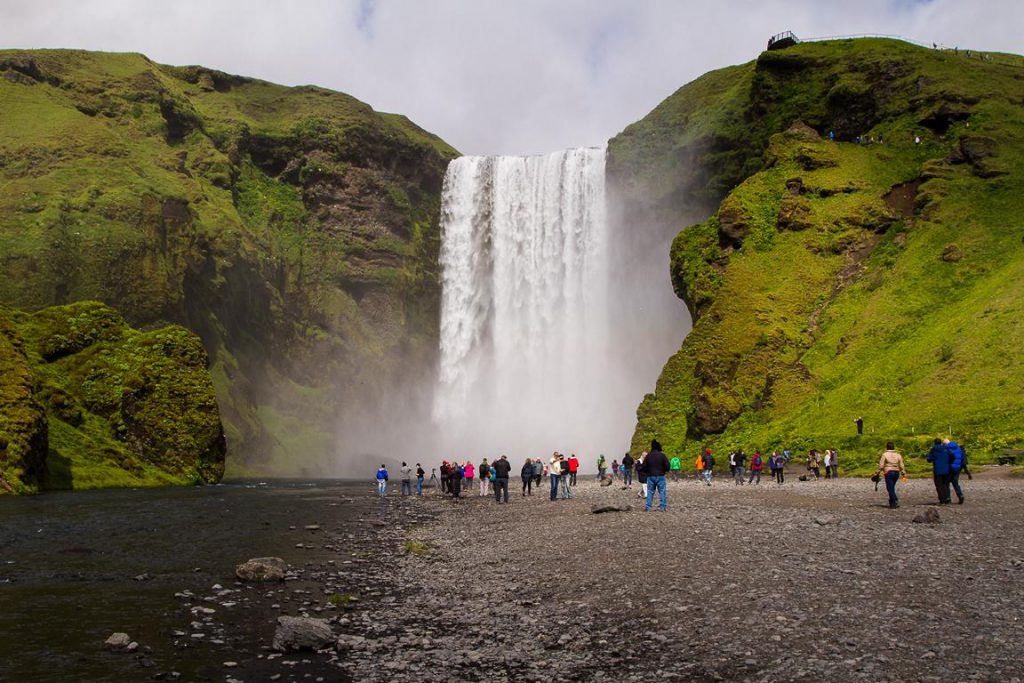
(524, 311)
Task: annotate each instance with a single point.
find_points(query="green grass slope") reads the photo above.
(89, 402)
(294, 229)
(879, 278)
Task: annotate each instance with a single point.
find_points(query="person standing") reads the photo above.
(676, 465)
(446, 473)
(699, 465)
(407, 479)
(527, 474)
(827, 461)
(756, 465)
(892, 467)
(779, 468)
(420, 473)
(941, 460)
(538, 471)
(502, 468)
(485, 478)
(708, 462)
(641, 475)
(814, 463)
(574, 466)
(627, 469)
(741, 461)
(602, 466)
(958, 464)
(656, 466)
(554, 471)
(732, 464)
(834, 460)
(468, 470)
(860, 425)
(382, 480)
(615, 470)
(455, 480)
(564, 491)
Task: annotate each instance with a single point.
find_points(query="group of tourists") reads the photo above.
(652, 468)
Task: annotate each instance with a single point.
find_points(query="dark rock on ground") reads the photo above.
(302, 633)
(929, 516)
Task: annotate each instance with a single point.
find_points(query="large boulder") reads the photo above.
(262, 569)
(302, 633)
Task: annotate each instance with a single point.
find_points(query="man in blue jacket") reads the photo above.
(941, 459)
(958, 463)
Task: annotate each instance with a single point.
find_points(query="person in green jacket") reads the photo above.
(675, 466)
(602, 465)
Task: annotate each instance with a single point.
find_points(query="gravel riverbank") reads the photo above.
(809, 581)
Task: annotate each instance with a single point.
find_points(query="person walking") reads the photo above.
(627, 469)
(741, 461)
(602, 465)
(554, 471)
(485, 478)
(656, 466)
(502, 467)
(574, 466)
(469, 471)
(615, 470)
(699, 466)
(538, 471)
(708, 462)
(527, 474)
(892, 467)
(958, 464)
(420, 473)
(406, 473)
(942, 461)
(382, 480)
(756, 465)
(676, 466)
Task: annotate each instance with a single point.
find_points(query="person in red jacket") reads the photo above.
(574, 466)
(756, 465)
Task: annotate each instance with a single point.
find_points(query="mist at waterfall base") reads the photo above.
(553, 324)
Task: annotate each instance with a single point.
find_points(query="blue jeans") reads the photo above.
(954, 480)
(419, 486)
(382, 486)
(890, 486)
(656, 483)
(406, 486)
(627, 476)
(554, 486)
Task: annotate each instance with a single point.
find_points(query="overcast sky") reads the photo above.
(492, 76)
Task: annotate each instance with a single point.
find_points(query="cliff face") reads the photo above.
(294, 229)
(856, 274)
(86, 401)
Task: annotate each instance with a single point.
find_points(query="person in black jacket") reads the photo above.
(501, 468)
(627, 469)
(527, 475)
(656, 466)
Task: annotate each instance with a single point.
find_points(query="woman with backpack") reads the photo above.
(485, 478)
(756, 465)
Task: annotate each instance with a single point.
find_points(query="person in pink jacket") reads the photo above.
(468, 469)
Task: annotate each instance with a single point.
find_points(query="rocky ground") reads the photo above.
(808, 581)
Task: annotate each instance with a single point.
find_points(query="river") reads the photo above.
(78, 566)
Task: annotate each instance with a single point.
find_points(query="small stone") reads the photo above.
(117, 641)
(230, 665)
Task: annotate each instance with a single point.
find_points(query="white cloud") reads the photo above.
(492, 76)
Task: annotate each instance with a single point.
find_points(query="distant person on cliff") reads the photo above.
(677, 465)
(406, 473)
(469, 471)
(564, 491)
(446, 481)
(741, 466)
(485, 478)
(627, 469)
(420, 473)
(602, 467)
(708, 461)
(860, 426)
(657, 466)
(891, 465)
(502, 468)
(959, 464)
(382, 480)
(756, 465)
(554, 470)
(942, 461)
(527, 475)
(574, 466)
(641, 475)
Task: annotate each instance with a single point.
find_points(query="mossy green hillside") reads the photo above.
(294, 229)
(879, 278)
(89, 402)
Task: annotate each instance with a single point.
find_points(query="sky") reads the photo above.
(492, 76)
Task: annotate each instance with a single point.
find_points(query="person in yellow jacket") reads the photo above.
(892, 467)
(699, 464)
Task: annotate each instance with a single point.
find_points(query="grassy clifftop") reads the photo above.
(294, 229)
(86, 401)
(866, 275)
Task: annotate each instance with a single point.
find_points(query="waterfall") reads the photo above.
(524, 311)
